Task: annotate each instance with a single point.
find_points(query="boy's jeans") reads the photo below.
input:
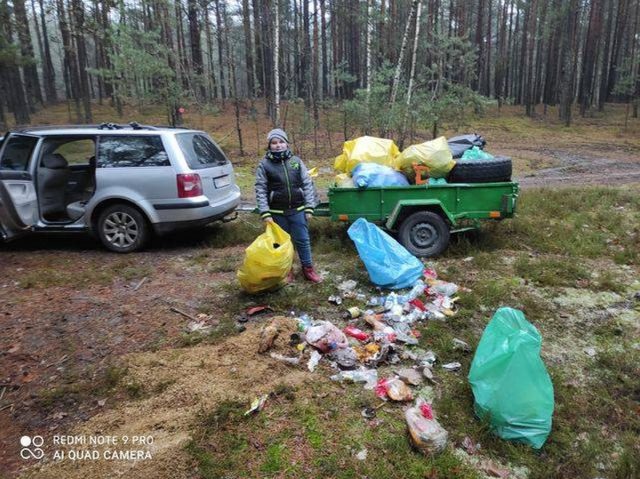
(296, 225)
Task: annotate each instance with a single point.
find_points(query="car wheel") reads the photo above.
(122, 228)
(497, 169)
(424, 234)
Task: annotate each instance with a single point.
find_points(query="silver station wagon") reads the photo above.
(121, 183)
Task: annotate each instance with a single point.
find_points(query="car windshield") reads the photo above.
(200, 151)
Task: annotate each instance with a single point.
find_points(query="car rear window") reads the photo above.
(200, 152)
(119, 151)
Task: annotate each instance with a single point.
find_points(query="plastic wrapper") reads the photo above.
(510, 383)
(434, 154)
(367, 376)
(388, 263)
(267, 260)
(326, 337)
(425, 431)
(366, 149)
(393, 388)
(369, 175)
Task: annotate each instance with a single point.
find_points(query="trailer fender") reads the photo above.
(406, 207)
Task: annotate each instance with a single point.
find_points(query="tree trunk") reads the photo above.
(233, 84)
(315, 84)
(48, 72)
(220, 38)
(30, 71)
(276, 64)
(368, 52)
(196, 49)
(567, 74)
(403, 47)
(267, 56)
(590, 57)
(528, 72)
(606, 55)
(10, 72)
(248, 48)
(325, 65)
(618, 35)
(211, 73)
(479, 40)
(414, 57)
(70, 61)
(81, 48)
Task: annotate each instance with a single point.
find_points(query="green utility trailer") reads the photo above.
(423, 216)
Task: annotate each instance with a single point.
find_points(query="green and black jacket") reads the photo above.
(283, 185)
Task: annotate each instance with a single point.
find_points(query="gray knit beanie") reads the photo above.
(277, 133)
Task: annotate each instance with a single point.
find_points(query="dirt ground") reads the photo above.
(55, 338)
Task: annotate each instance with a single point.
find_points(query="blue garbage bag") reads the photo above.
(510, 383)
(388, 263)
(367, 175)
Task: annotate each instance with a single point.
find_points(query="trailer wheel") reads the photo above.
(424, 234)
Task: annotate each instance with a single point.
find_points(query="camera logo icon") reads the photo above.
(31, 447)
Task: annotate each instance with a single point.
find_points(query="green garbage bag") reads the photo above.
(510, 383)
(476, 153)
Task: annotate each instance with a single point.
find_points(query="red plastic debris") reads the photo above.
(426, 410)
(382, 387)
(418, 303)
(356, 333)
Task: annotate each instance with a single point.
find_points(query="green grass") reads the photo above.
(570, 238)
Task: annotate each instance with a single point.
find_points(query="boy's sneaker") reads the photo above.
(311, 274)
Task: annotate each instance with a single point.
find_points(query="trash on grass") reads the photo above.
(410, 375)
(356, 333)
(460, 345)
(367, 376)
(425, 431)
(314, 360)
(289, 360)
(268, 335)
(335, 299)
(257, 404)
(326, 337)
(346, 358)
(362, 455)
(455, 366)
(393, 388)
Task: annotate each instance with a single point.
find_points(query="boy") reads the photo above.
(285, 194)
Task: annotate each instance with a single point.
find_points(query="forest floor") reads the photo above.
(92, 345)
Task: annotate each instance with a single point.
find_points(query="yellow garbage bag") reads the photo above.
(366, 149)
(267, 260)
(434, 154)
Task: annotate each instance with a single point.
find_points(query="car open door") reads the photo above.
(18, 203)
(18, 199)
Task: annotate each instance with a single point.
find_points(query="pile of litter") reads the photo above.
(381, 332)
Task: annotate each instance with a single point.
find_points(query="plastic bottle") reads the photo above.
(417, 290)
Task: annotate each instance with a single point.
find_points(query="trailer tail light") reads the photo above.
(189, 185)
(494, 214)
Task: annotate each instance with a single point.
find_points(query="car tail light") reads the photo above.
(189, 185)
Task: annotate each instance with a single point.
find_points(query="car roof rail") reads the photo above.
(137, 126)
(109, 126)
